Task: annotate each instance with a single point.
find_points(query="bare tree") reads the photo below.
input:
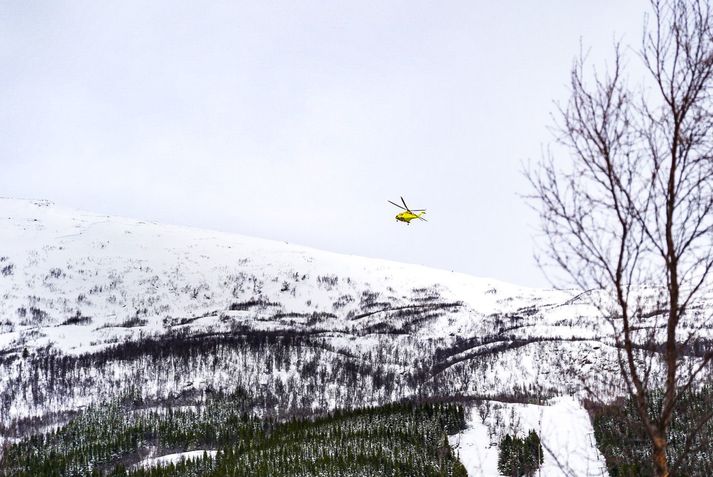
(628, 210)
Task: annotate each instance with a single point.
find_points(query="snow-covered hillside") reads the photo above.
(569, 447)
(94, 305)
(78, 280)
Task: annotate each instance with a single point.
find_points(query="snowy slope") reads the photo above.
(173, 458)
(567, 436)
(93, 306)
(61, 264)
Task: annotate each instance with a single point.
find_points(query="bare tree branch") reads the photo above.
(632, 206)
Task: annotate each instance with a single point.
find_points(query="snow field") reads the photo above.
(563, 426)
(175, 458)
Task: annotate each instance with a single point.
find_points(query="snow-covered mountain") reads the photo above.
(77, 281)
(93, 306)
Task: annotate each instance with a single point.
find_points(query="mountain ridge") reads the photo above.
(53, 250)
(97, 307)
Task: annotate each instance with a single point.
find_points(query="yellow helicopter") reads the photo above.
(408, 214)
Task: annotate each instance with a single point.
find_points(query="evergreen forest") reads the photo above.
(401, 439)
(625, 445)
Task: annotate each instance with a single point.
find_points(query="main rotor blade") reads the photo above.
(417, 210)
(402, 200)
(397, 205)
(423, 219)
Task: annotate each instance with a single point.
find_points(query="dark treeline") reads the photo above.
(288, 370)
(251, 357)
(518, 456)
(446, 357)
(698, 348)
(402, 439)
(626, 447)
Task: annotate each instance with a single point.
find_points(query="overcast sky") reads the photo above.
(297, 120)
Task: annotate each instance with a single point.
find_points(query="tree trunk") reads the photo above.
(660, 458)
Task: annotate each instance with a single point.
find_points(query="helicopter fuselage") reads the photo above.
(407, 216)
